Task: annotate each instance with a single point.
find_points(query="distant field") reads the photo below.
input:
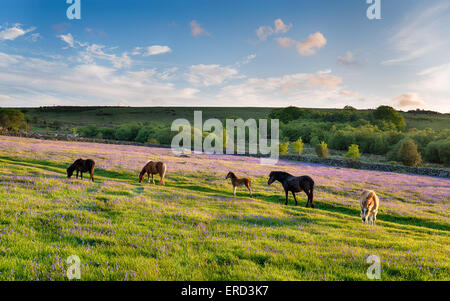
(113, 116)
(193, 229)
(422, 121)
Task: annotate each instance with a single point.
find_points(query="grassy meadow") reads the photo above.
(194, 229)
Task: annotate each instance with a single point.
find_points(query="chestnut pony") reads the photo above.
(152, 168)
(236, 182)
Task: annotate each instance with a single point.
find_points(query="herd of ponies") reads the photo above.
(369, 201)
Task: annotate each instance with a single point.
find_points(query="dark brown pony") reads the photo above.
(81, 165)
(294, 184)
(152, 168)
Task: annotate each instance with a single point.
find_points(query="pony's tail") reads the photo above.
(163, 173)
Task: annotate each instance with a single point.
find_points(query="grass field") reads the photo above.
(193, 229)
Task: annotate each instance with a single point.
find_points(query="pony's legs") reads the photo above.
(82, 175)
(310, 198)
(287, 197)
(249, 190)
(92, 176)
(234, 190)
(153, 179)
(295, 198)
(77, 174)
(308, 201)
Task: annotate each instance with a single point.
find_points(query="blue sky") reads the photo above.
(321, 53)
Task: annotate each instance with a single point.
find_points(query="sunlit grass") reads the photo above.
(193, 229)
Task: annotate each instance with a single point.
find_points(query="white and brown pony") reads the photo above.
(370, 204)
(236, 182)
(153, 168)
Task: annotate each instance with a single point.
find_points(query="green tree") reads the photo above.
(353, 152)
(12, 119)
(284, 148)
(389, 114)
(322, 150)
(298, 146)
(408, 154)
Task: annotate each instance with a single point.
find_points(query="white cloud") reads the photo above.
(14, 32)
(307, 47)
(409, 100)
(210, 75)
(420, 34)
(263, 32)
(36, 82)
(247, 60)
(197, 30)
(35, 36)
(349, 93)
(349, 59)
(157, 49)
(280, 27)
(435, 79)
(91, 52)
(68, 38)
(311, 45)
(301, 89)
(286, 42)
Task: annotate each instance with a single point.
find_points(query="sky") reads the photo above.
(320, 54)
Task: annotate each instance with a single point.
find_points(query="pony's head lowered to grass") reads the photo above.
(142, 175)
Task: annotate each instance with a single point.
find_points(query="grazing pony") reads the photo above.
(152, 168)
(294, 184)
(370, 203)
(81, 165)
(236, 182)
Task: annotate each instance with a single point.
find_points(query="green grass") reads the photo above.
(193, 229)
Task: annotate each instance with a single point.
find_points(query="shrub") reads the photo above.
(340, 140)
(298, 146)
(108, 133)
(353, 152)
(90, 131)
(284, 148)
(431, 153)
(322, 150)
(444, 151)
(145, 133)
(127, 132)
(408, 154)
(153, 141)
(165, 135)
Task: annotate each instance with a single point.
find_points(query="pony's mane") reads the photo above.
(142, 171)
(74, 165)
(280, 174)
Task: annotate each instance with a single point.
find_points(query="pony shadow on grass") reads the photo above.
(403, 220)
(60, 168)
